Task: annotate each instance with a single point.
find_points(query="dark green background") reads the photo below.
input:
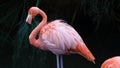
(97, 21)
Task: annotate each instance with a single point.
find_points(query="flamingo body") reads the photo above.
(57, 36)
(113, 62)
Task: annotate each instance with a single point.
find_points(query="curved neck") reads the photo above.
(34, 33)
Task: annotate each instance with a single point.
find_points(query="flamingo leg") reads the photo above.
(59, 61)
(57, 58)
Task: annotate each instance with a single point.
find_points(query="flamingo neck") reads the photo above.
(34, 33)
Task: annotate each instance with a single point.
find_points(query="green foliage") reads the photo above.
(14, 33)
(25, 55)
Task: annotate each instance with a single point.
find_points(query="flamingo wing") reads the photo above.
(61, 38)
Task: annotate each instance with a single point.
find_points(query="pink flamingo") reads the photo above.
(57, 37)
(113, 62)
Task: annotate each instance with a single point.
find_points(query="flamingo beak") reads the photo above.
(29, 18)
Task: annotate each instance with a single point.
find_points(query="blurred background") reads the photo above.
(97, 21)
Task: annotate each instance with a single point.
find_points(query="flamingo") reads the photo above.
(57, 36)
(113, 62)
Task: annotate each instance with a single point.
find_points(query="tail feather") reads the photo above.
(85, 52)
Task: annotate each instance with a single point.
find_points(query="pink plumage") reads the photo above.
(57, 36)
(113, 62)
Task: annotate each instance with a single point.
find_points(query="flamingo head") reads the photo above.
(33, 11)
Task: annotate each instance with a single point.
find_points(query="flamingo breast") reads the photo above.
(58, 37)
